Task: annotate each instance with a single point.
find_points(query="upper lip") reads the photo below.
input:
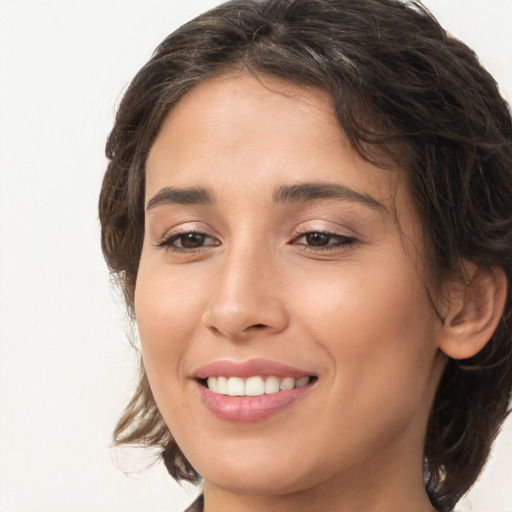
(249, 368)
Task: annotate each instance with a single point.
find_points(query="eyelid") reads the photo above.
(173, 234)
(327, 228)
(187, 227)
(340, 241)
(331, 234)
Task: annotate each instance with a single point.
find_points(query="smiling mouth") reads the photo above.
(255, 385)
(253, 390)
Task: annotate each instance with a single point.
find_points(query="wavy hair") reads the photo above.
(400, 87)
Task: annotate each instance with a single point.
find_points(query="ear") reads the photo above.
(474, 311)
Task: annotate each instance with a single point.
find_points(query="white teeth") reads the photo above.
(236, 386)
(287, 383)
(222, 385)
(271, 385)
(253, 386)
(213, 384)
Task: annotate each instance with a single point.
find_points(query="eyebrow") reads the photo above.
(303, 192)
(300, 192)
(172, 195)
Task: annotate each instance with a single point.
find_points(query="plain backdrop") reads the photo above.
(66, 368)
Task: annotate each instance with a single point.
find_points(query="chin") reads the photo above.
(257, 473)
(265, 481)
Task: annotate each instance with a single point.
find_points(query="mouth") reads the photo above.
(256, 385)
(251, 391)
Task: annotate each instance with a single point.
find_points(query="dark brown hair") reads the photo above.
(400, 86)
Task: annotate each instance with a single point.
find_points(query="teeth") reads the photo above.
(271, 385)
(253, 386)
(301, 382)
(213, 384)
(236, 386)
(286, 384)
(222, 385)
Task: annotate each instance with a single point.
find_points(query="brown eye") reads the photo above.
(323, 241)
(317, 239)
(191, 240)
(188, 242)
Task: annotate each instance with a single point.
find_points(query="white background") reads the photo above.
(66, 369)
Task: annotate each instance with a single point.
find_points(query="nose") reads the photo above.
(246, 299)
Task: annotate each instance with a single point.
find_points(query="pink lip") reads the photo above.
(249, 409)
(245, 369)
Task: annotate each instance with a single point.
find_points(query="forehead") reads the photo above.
(261, 131)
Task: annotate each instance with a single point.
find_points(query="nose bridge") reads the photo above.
(246, 296)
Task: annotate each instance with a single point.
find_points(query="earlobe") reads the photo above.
(474, 311)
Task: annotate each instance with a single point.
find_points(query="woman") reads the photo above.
(309, 209)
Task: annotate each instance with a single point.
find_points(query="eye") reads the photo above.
(323, 240)
(317, 239)
(189, 241)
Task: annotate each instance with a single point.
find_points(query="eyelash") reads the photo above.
(168, 241)
(342, 241)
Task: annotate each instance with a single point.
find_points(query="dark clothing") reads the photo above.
(197, 506)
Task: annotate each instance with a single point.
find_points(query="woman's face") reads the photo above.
(274, 256)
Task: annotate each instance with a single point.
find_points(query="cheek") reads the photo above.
(168, 311)
(364, 299)
(378, 328)
(380, 339)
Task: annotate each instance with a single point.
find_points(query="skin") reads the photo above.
(355, 312)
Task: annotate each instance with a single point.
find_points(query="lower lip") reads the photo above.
(249, 409)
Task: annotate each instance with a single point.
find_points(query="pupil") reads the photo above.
(192, 240)
(317, 239)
